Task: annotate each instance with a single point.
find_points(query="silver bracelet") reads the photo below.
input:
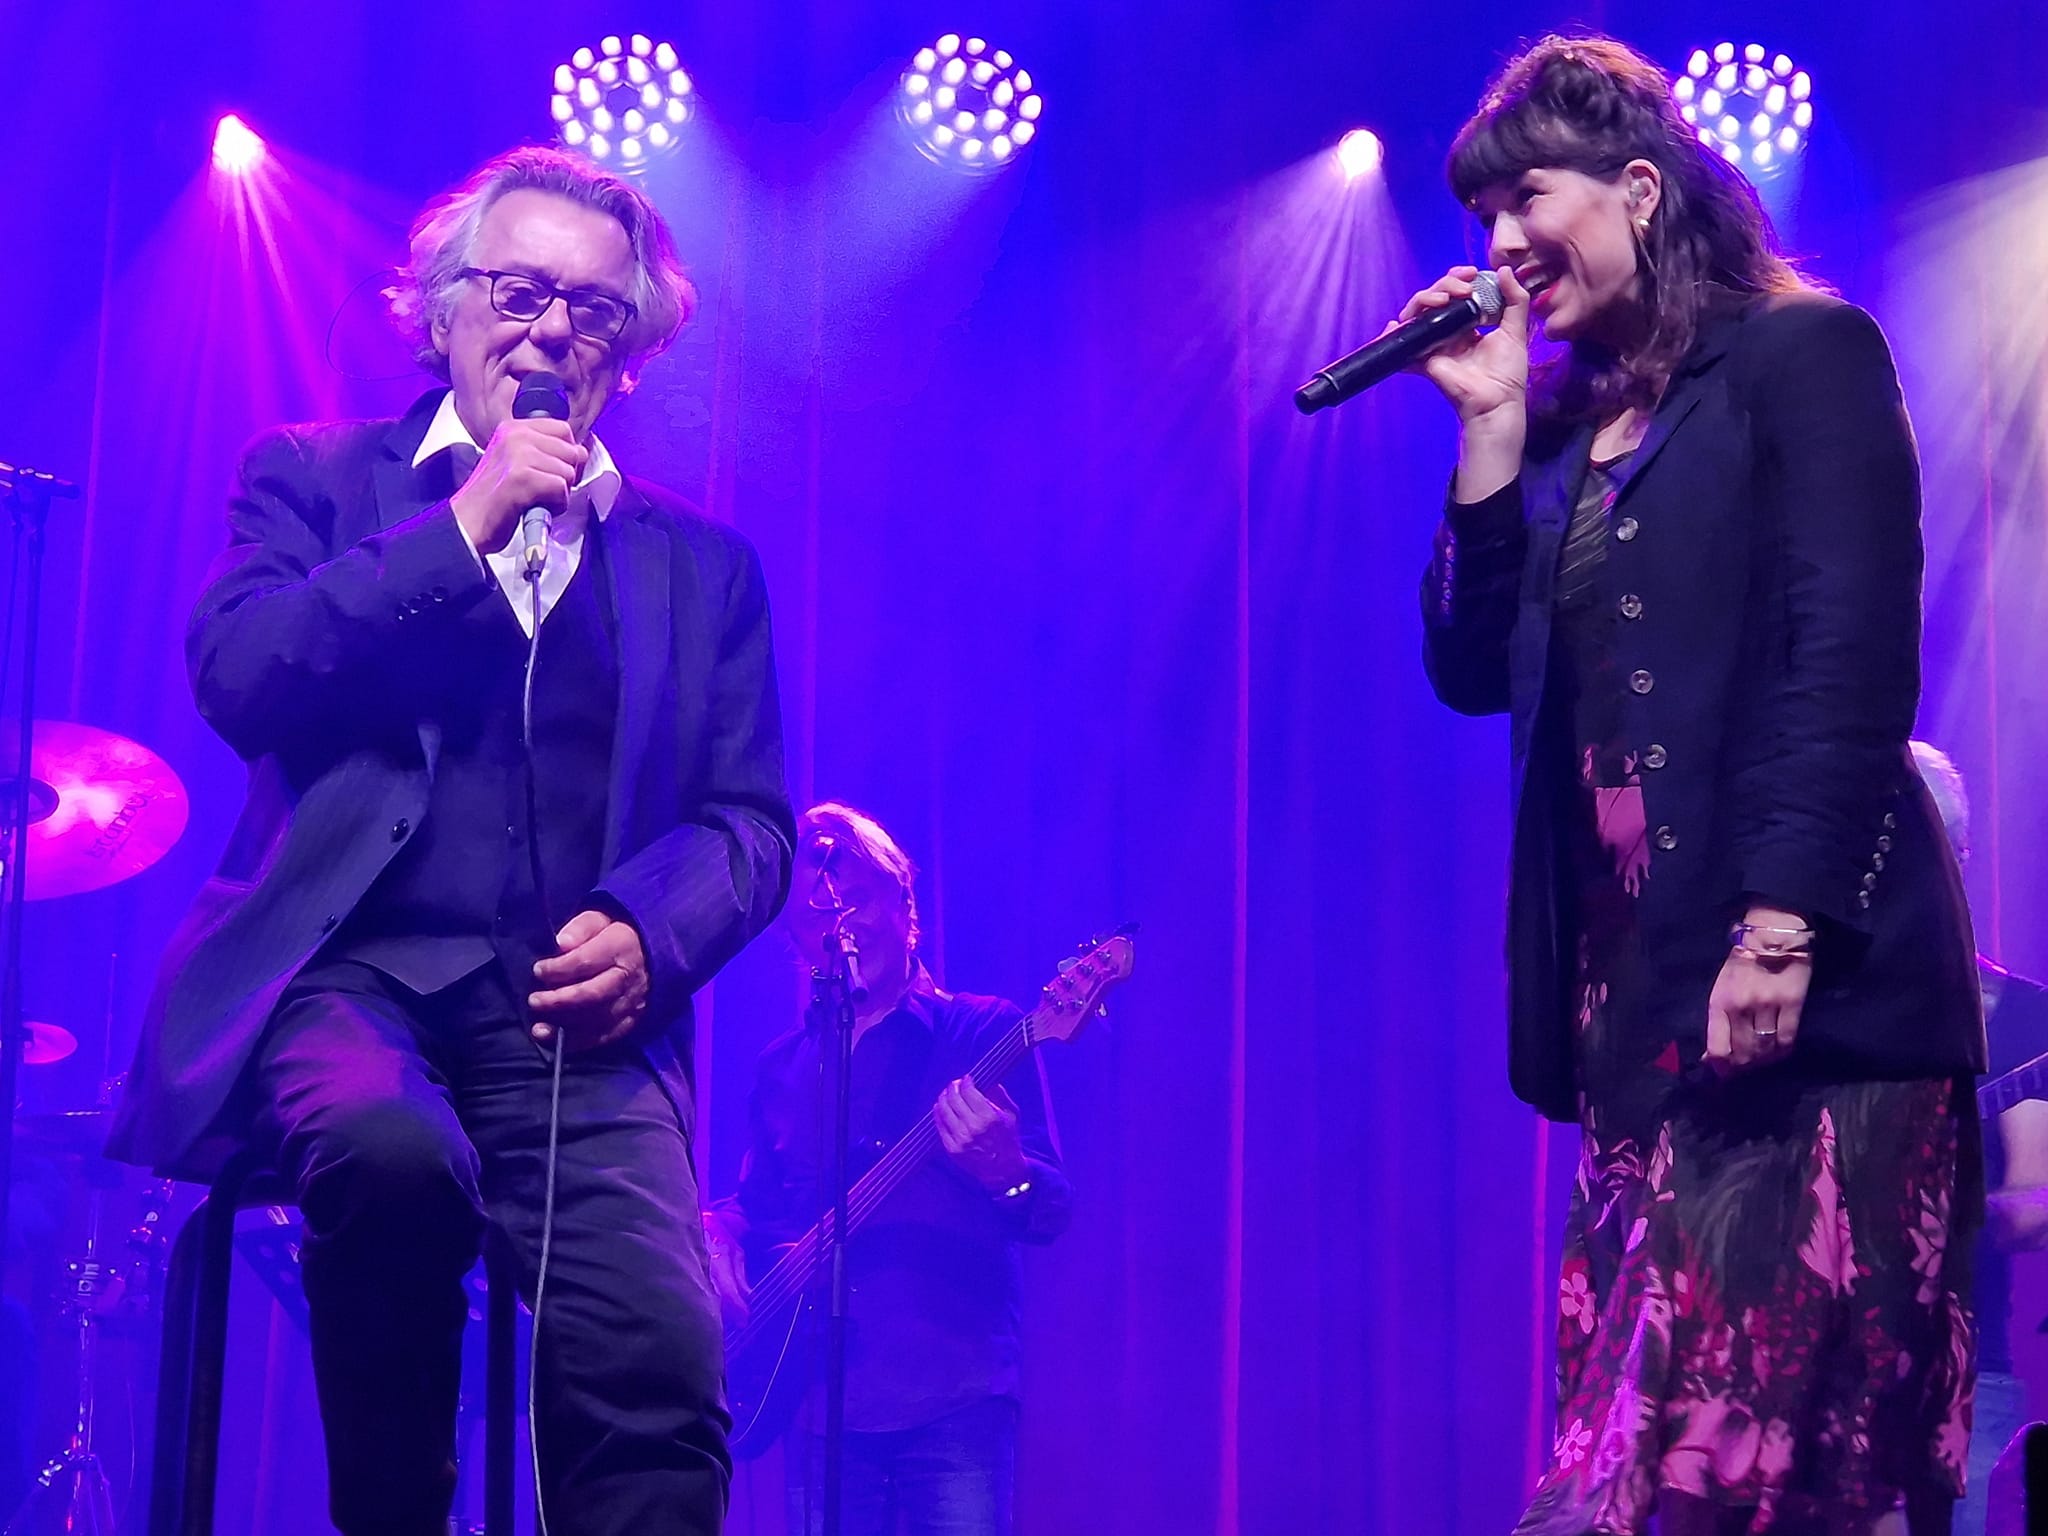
(1792, 941)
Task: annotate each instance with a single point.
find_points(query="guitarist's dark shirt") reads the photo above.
(936, 1282)
(2017, 1030)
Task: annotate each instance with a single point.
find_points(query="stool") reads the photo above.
(185, 1465)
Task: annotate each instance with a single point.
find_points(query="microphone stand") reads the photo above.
(28, 494)
(836, 990)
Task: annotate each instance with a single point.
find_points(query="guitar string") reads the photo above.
(792, 1273)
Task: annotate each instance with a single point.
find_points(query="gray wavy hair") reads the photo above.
(872, 843)
(1951, 799)
(446, 230)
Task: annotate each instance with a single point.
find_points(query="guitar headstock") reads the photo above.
(1075, 995)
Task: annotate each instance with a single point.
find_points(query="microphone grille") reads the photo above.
(1486, 294)
(541, 394)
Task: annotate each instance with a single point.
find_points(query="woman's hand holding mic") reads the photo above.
(1485, 376)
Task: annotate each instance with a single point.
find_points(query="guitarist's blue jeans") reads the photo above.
(955, 1476)
(411, 1125)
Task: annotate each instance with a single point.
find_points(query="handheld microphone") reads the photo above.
(540, 394)
(1358, 371)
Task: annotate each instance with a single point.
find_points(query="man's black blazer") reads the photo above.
(341, 565)
(1765, 565)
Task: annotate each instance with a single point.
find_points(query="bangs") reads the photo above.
(1506, 138)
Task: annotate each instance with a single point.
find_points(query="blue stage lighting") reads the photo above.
(622, 102)
(968, 105)
(1752, 108)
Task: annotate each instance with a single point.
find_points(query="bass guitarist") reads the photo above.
(936, 1288)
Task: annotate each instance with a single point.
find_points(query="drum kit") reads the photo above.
(101, 808)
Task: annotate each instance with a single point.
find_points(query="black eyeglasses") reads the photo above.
(522, 296)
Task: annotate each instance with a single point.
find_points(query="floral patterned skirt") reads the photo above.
(1762, 1305)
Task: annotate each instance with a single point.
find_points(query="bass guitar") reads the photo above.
(765, 1369)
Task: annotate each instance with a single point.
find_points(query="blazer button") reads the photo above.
(440, 594)
(1863, 900)
(1641, 682)
(1631, 606)
(1891, 822)
(1884, 845)
(1626, 529)
(399, 828)
(1654, 757)
(1666, 839)
(328, 926)
(1870, 882)
(1877, 861)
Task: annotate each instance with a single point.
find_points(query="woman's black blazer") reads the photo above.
(1764, 567)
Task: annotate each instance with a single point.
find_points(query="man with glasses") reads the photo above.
(498, 832)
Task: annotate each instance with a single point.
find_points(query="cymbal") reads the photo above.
(46, 1043)
(101, 807)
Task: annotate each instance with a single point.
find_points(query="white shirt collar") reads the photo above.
(597, 490)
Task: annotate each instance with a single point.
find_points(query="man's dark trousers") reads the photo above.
(411, 1124)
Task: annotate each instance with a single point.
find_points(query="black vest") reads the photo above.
(463, 891)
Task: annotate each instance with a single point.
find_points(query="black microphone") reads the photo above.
(540, 394)
(1359, 371)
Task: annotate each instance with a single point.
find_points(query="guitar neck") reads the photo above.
(2001, 1093)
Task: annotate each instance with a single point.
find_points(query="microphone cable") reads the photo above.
(540, 893)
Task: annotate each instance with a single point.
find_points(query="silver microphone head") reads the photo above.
(533, 539)
(1486, 294)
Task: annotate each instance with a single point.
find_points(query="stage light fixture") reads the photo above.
(1751, 107)
(1360, 153)
(967, 105)
(237, 148)
(623, 102)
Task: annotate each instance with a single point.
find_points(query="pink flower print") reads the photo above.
(1575, 1298)
(1723, 1347)
(1930, 1243)
(1624, 833)
(1592, 998)
(1572, 1445)
(1660, 1167)
(1829, 1250)
(1626, 1420)
(1718, 1439)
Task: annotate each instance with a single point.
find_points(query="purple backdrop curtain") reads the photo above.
(1065, 593)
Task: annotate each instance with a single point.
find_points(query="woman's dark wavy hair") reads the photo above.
(1591, 104)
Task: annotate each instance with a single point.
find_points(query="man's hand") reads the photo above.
(980, 1134)
(531, 463)
(595, 987)
(728, 1263)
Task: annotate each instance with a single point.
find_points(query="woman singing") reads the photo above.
(1684, 556)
